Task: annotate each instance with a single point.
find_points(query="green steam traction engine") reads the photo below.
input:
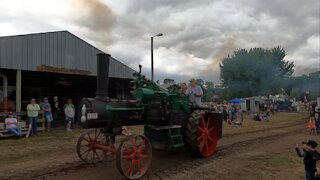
(170, 123)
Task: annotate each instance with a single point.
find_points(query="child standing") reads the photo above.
(312, 126)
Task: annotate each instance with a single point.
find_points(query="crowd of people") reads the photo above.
(232, 114)
(50, 114)
(261, 116)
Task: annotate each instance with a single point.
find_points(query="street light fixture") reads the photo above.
(152, 74)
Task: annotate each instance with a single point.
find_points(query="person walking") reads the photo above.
(12, 124)
(312, 126)
(69, 112)
(32, 113)
(317, 120)
(47, 113)
(310, 156)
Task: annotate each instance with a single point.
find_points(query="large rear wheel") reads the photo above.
(201, 133)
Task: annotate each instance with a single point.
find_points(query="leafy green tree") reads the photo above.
(257, 71)
(200, 82)
(295, 93)
(209, 85)
(209, 91)
(304, 83)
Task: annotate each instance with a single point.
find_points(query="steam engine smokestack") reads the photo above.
(103, 61)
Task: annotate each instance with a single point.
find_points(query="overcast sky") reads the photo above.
(198, 34)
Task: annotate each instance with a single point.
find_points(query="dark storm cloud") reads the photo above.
(297, 20)
(98, 18)
(210, 30)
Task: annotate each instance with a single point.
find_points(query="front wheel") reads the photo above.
(86, 146)
(201, 133)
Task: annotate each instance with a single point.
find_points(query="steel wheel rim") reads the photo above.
(86, 149)
(207, 135)
(134, 156)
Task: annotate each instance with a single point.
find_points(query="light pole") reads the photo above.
(152, 74)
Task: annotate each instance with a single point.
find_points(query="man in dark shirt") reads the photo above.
(55, 110)
(310, 157)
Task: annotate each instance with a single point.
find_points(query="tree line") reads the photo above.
(259, 72)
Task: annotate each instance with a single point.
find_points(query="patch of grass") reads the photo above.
(47, 144)
(275, 160)
(277, 118)
(278, 166)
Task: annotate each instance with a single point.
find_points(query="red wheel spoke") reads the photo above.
(211, 129)
(200, 137)
(201, 145)
(87, 151)
(142, 146)
(92, 160)
(203, 122)
(208, 122)
(130, 170)
(95, 152)
(201, 129)
(207, 147)
(90, 139)
(144, 156)
(85, 139)
(133, 143)
(139, 167)
(87, 155)
(99, 134)
(84, 145)
(126, 156)
(210, 139)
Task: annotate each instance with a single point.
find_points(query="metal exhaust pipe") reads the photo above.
(103, 62)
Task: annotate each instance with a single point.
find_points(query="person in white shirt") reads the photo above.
(12, 124)
(69, 111)
(195, 93)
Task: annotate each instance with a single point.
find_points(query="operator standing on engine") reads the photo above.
(195, 93)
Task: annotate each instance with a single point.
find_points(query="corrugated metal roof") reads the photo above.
(59, 51)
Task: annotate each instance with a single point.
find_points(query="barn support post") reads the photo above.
(18, 90)
(5, 91)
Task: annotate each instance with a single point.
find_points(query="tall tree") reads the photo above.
(302, 84)
(258, 71)
(209, 91)
(209, 85)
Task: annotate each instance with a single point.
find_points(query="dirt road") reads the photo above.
(265, 153)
